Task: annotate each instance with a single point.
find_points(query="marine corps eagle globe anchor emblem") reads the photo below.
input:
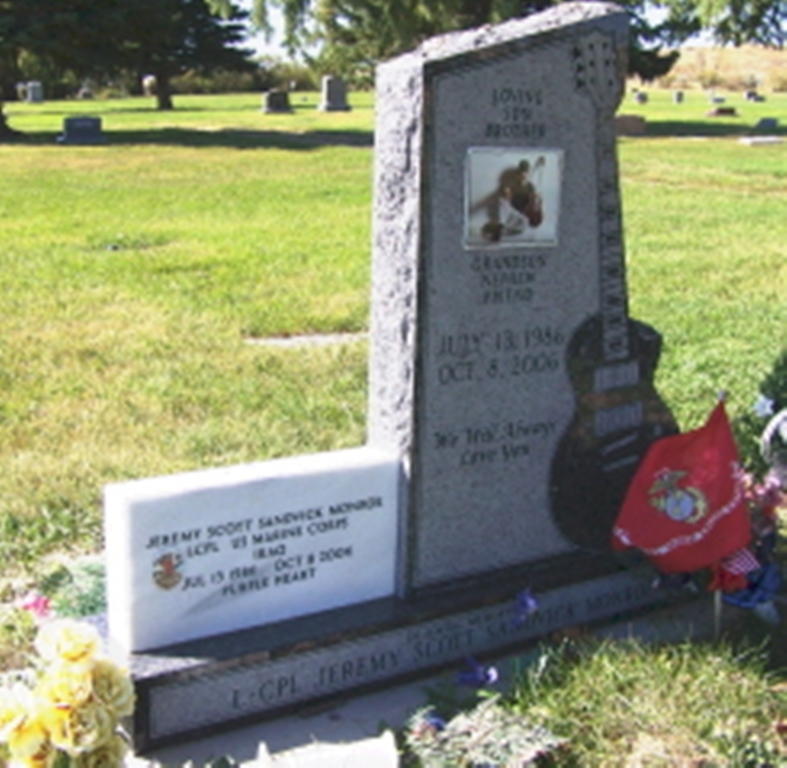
(684, 505)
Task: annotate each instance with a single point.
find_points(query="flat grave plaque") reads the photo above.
(202, 553)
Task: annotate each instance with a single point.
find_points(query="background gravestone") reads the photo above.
(82, 130)
(35, 92)
(276, 101)
(505, 369)
(334, 95)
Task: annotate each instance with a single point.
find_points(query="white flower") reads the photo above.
(764, 407)
(67, 640)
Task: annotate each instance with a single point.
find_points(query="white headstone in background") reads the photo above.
(35, 92)
(201, 553)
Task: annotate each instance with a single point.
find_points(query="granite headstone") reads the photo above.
(334, 95)
(276, 101)
(505, 368)
(767, 125)
(630, 125)
(82, 130)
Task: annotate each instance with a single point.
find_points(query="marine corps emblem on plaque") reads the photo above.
(166, 573)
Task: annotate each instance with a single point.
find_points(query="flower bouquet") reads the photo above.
(66, 710)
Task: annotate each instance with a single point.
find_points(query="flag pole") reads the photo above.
(717, 601)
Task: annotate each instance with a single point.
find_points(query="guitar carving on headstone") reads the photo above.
(611, 358)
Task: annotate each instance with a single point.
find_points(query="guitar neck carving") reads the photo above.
(597, 73)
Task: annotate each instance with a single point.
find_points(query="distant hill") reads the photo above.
(740, 69)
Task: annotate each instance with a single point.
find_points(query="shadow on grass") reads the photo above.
(228, 138)
(308, 140)
(111, 110)
(701, 128)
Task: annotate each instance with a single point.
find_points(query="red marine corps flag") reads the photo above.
(685, 508)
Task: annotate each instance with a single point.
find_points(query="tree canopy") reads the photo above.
(350, 36)
(88, 38)
(745, 21)
(164, 38)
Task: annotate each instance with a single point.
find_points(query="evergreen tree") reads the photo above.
(159, 37)
(165, 38)
(352, 35)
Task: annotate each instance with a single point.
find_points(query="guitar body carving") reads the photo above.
(611, 358)
(618, 415)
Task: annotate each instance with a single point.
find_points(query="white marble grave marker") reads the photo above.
(201, 553)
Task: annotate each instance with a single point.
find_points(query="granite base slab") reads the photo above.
(226, 681)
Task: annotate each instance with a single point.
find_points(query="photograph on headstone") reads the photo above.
(513, 196)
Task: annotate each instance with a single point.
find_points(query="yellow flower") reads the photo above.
(66, 684)
(28, 739)
(16, 703)
(44, 758)
(110, 755)
(21, 726)
(67, 640)
(77, 730)
(113, 687)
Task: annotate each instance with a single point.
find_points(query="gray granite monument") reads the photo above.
(276, 102)
(82, 130)
(508, 385)
(334, 95)
(505, 368)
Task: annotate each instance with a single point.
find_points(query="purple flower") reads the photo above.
(433, 721)
(427, 725)
(476, 675)
(525, 606)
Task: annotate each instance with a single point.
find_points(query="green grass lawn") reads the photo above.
(134, 274)
(590, 703)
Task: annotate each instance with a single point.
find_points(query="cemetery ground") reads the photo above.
(138, 278)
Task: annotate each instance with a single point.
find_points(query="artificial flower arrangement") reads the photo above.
(66, 710)
(773, 441)
(767, 496)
